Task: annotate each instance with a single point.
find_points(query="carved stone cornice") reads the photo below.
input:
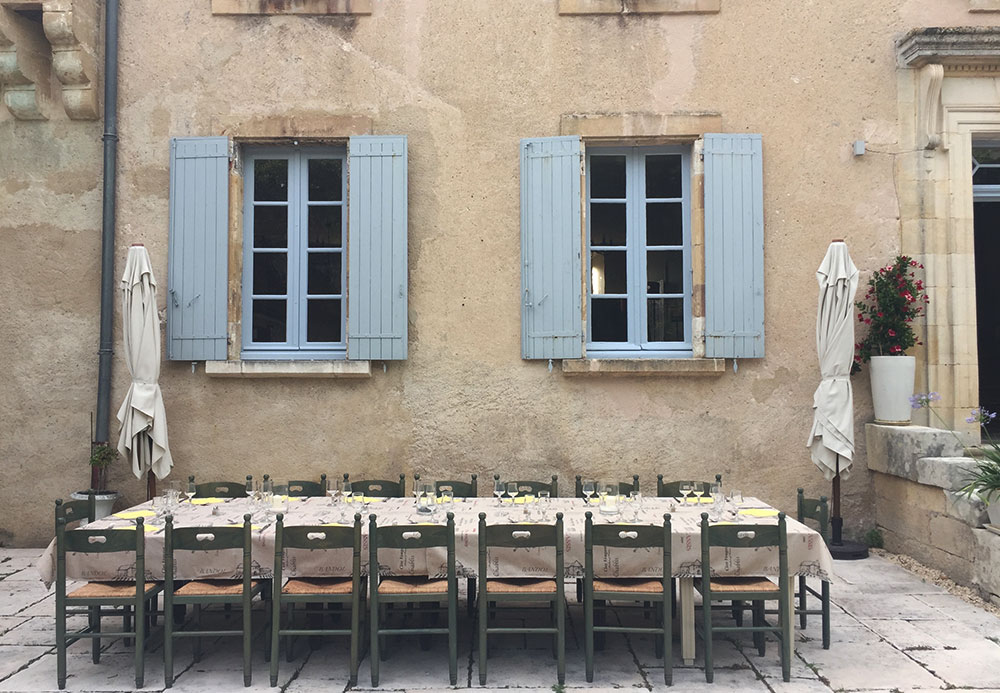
(969, 48)
(25, 71)
(72, 30)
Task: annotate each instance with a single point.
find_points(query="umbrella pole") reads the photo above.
(842, 550)
(150, 485)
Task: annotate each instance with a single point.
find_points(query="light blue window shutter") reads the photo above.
(734, 247)
(551, 243)
(198, 252)
(376, 292)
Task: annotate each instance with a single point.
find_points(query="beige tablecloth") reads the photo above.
(807, 553)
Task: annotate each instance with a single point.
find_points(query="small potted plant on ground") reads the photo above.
(894, 299)
(102, 455)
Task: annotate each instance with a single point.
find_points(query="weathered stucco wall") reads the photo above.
(465, 81)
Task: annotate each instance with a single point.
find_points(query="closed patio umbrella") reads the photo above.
(831, 440)
(143, 419)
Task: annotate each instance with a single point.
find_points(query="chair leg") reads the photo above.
(60, 643)
(738, 611)
(600, 619)
(472, 596)
(786, 612)
(197, 641)
(290, 639)
(355, 636)
(825, 598)
(588, 638)
(579, 590)
(247, 640)
(275, 639)
(802, 602)
(168, 644)
(140, 642)
(453, 637)
(561, 638)
(483, 623)
(127, 624)
(95, 627)
(658, 638)
(706, 612)
(758, 620)
(373, 653)
(666, 617)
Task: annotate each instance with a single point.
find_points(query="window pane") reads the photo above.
(663, 175)
(986, 176)
(323, 320)
(608, 274)
(607, 177)
(325, 177)
(663, 272)
(607, 224)
(609, 319)
(270, 273)
(325, 227)
(269, 320)
(665, 319)
(270, 180)
(324, 273)
(986, 155)
(664, 223)
(270, 227)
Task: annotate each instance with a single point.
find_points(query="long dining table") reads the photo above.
(807, 552)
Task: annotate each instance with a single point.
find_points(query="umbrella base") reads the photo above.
(848, 551)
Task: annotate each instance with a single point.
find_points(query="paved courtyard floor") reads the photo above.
(891, 632)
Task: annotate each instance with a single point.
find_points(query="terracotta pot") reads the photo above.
(892, 384)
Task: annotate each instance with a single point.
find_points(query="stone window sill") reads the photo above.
(288, 369)
(304, 7)
(643, 6)
(644, 367)
(984, 5)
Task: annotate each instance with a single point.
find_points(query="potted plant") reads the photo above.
(102, 455)
(984, 479)
(894, 299)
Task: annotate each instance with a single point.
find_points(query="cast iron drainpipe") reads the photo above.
(108, 224)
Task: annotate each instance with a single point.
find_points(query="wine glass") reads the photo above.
(333, 488)
(588, 490)
(191, 490)
(427, 497)
(543, 499)
(685, 488)
(499, 488)
(512, 490)
(698, 490)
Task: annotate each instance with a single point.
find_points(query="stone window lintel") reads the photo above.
(299, 7)
(626, 7)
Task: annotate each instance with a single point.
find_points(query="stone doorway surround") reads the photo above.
(949, 93)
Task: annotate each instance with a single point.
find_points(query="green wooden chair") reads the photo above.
(533, 487)
(624, 487)
(756, 590)
(203, 592)
(93, 597)
(220, 489)
(387, 590)
(599, 592)
(494, 593)
(302, 488)
(76, 510)
(378, 488)
(315, 592)
(672, 489)
(459, 489)
(818, 511)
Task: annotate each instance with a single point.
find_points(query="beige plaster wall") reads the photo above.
(465, 81)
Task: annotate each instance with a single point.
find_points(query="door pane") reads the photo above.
(323, 320)
(665, 320)
(607, 224)
(324, 273)
(663, 175)
(664, 273)
(270, 227)
(269, 320)
(325, 179)
(270, 273)
(608, 274)
(607, 177)
(270, 180)
(609, 319)
(326, 227)
(664, 223)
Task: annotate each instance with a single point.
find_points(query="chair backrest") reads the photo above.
(209, 538)
(219, 489)
(743, 536)
(378, 488)
(672, 489)
(303, 488)
(409, 537)
(105, 540)
(533, 487)
(76, 510)
(628, 536)
(624, 487)
(316, 537)
(459, 489)
(522, 536)
(813, 509)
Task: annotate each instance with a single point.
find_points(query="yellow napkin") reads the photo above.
(240, 524)
(759, 512)
(441, 500)
(132, 514)
(146, 528)
(207, 501)
(716, 524)
(370, 499)
(334, 524)
(291, 498)
(518, 499)
(693, 500)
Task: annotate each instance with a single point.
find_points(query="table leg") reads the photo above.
(686, 607)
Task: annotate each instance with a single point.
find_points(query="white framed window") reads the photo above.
(294, 278)
(639, 280)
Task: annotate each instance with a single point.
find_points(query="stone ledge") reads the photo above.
(984, 5)
(950, 46)
(639, 6)
(618, 126)
(304, 7)
(288, 369)
(971, 511)
(644, 367)
(897, 450)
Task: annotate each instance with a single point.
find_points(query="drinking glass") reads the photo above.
(512, 490)
(588, 490)
(333, 489)
(698, 490)
(499, 488)
(718, 499)
(685, 488)
(427, 498)
(191, 491)
(736, 496)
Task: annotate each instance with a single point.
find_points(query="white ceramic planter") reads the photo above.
(892, 385)
(104, 502)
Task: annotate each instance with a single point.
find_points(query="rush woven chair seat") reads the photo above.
(756, 590)
(417, 593)
(378, 488)
(205, 592)
(93, 598)
(495, 593)
(598, 593)
(672, 489)
(313, 593)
